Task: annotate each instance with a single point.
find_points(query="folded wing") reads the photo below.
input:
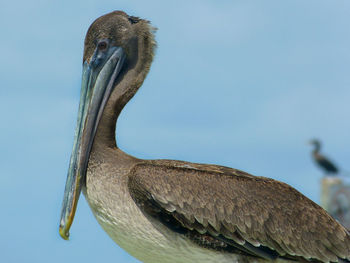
(236, 211)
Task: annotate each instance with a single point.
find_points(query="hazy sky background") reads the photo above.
(239, 83)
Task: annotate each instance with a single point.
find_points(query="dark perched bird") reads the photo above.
(166, 211)
(321, 160)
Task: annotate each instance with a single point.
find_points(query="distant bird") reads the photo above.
(165, 211)
(324, 163)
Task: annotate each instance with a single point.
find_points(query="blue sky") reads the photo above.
(239, 83)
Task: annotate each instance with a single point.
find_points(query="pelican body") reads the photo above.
(166, 211)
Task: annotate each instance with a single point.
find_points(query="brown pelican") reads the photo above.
(321, 160)
(174, 211)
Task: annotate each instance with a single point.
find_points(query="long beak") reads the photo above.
(98, 81)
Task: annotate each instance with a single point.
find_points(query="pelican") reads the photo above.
(323, 162)
(166, 211)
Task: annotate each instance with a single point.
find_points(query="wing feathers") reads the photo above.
(258, 215)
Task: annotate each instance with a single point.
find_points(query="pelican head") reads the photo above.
(111, 52)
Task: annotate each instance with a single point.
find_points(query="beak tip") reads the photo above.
(63, 233)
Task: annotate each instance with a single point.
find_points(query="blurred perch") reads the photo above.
(335, 198)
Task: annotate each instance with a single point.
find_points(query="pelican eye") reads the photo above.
(102, 45)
